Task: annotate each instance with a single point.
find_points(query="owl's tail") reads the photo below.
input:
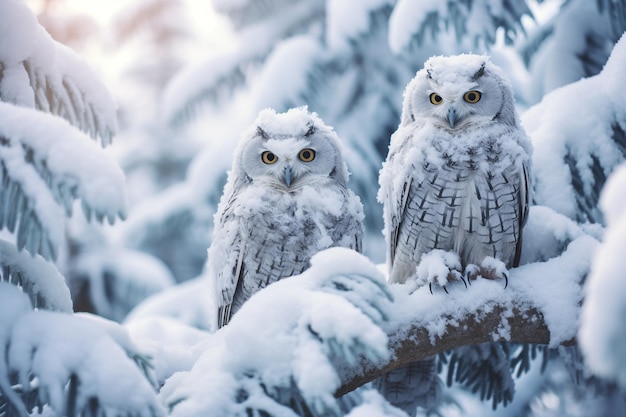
(414, 385)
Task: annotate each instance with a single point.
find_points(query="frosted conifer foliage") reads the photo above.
(50, 101)
(579, 136)
(65, 361)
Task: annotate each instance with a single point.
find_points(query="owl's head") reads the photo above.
(459, 91)
(289, 150)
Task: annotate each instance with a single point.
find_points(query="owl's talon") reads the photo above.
(472, 272)
(506, 279)
(445, 289)
(463, 279)
(430, 287)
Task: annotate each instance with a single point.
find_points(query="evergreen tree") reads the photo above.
(51, 102)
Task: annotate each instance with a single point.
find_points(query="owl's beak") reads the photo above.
(288, 176)
(452, 117)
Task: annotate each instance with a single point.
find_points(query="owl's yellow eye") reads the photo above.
(306, 155)
(472, 96)
(436, 99)
(268, 157)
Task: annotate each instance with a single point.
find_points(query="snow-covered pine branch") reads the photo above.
(45, 162)
(279, 354)
(77, 365)
(46, 165)
(477, 20)
(39, 279)
(37, 72)
(575, 43)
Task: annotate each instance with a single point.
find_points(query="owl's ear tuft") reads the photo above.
(479, 73)
(310, 131)
(262, 133)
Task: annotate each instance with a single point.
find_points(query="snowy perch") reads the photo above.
(540, 306)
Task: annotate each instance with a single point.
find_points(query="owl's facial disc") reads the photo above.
(288, 163)
(453, 108)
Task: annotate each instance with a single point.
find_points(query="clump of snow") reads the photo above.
(287, 337)
(294, 122)
(17, 27)
(554, 239)
(13, 304)
(575, 30)
(602, 335)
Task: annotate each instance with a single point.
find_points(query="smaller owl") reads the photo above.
(286, 199)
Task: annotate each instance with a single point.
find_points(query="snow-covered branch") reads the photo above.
(75, 364)
(541, 304)
(526, 325)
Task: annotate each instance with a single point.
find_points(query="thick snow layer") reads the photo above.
(374, 405)
(576, 31)
(602, 334)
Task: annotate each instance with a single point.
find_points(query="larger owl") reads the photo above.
(286, 198)
(455, 190)
(455, 185)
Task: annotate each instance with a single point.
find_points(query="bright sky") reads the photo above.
(200, 12)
